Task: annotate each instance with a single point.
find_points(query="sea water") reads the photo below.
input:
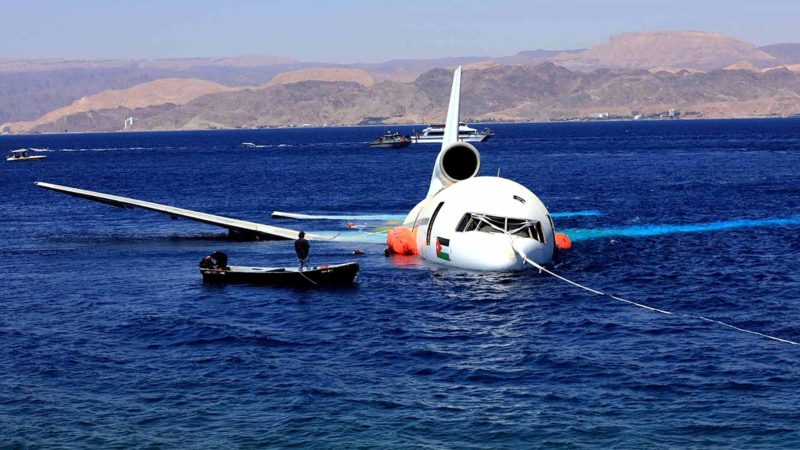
(109, 338)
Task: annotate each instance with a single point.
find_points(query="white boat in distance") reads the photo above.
(434, 133)
(22, 155)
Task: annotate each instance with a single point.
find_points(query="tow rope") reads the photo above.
(641, 305)
(304, 276)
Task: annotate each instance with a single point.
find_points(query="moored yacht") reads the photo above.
(434, 133)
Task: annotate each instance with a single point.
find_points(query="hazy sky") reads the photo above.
(364, 31)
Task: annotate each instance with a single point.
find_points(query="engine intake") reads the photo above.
(459, 162)
(455, 163)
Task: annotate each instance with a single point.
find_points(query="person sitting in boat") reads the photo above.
(302, 248)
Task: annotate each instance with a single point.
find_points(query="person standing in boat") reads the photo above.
(302, 248)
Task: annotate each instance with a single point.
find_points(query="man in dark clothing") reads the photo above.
(302, 247)
(221, 260)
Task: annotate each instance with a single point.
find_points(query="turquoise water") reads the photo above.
(658, 230)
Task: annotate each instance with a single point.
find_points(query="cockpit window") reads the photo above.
(466, 224)
(525, 228)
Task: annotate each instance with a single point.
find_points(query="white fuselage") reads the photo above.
(473, 244)
(472, 222)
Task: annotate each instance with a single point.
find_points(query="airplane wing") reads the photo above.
(244, 227)
(355, 216)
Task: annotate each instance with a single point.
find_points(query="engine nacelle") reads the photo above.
(458, 162)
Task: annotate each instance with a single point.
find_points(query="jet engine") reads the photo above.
(455, 163)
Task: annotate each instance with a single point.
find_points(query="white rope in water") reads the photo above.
(640, 305)
(300, 271)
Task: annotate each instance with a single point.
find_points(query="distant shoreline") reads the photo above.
(594, 121)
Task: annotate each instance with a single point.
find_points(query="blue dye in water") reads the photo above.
(658, 230)
(561, 215)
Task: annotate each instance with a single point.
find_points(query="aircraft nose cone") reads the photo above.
(502, 256)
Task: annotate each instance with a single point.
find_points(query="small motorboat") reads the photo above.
(22, 155)
(337, 274)
(391, 140)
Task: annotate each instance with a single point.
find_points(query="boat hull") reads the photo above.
(27, 158)
(390, 144)
(339, 274)
(438, 139)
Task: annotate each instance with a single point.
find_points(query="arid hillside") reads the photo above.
(681, 49)
(643, 72)
(177, 91)
(529, 92)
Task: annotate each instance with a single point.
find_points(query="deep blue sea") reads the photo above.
(109, 338)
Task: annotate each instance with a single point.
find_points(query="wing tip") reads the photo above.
(45, 185)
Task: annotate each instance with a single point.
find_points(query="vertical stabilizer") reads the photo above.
(440, 178)
(451, 125)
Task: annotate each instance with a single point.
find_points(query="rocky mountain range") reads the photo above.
(688, 74)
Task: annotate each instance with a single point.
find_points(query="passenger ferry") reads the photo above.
(434, 132)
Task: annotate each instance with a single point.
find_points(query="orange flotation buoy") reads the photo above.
(563, 242)
(401, 241)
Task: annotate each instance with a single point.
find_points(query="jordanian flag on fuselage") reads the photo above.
(443, 248)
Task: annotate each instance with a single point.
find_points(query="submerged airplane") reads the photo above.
(472, 222)
(465, 221)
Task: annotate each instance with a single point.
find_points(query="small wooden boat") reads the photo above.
(337, 274)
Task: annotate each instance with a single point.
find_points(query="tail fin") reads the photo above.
(438, 180)
(451, 125)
